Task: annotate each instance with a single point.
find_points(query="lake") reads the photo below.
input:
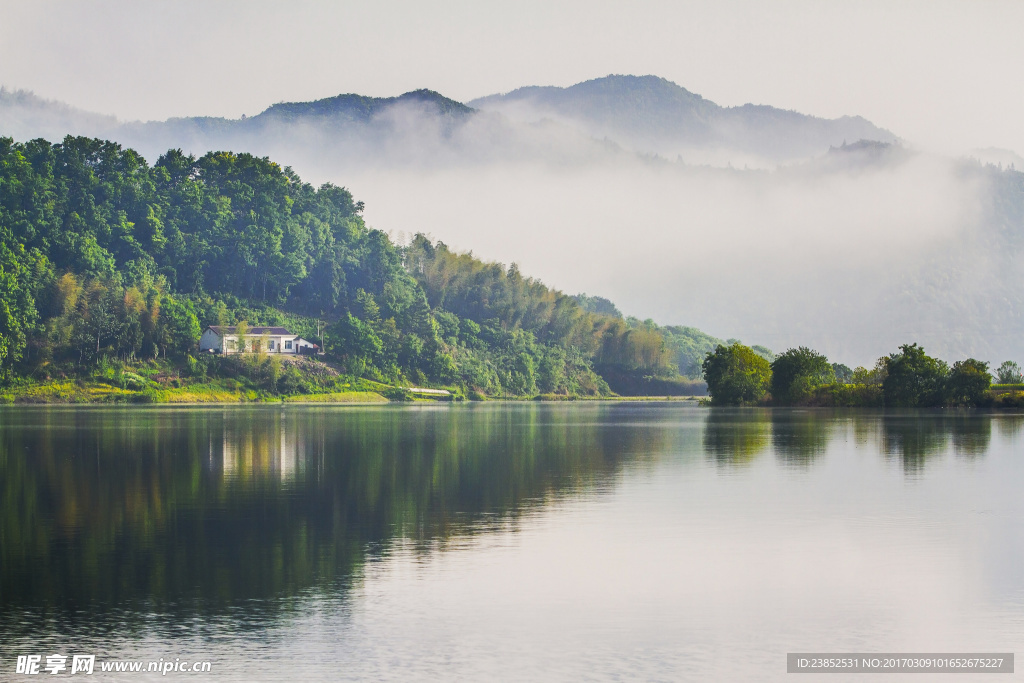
(506, 541)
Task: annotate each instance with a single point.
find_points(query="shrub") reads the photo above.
(199, 367)
(292, 381)
(1014, 399)
(133, 382)
(147, 396)
(848, 395)
(397, 394)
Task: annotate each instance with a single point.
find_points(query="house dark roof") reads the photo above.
(221, 330)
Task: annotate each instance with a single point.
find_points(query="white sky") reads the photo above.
(944, 75)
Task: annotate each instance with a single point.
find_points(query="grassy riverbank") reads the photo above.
(252, 379)
(80, 391)
(207, 380)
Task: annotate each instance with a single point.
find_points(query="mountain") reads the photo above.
(22, 108)
(654, 115)
(349, 126)
(24, 115)
(337, 113)
(998, 157)
(596, 119)
(359, 108)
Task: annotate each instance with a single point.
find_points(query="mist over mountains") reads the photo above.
(653, 115)
(749, 222)
(596, 119)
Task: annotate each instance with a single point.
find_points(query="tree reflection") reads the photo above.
(736, 436)
(912, 438)
(202, 509)
(1010, 426)
(799, 437)
(971, 433)
(917, 436)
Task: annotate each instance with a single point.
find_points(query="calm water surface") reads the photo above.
(507, 542)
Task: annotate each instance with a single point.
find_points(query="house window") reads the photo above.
(271, 344)
(230, 344)
(255, 346)
(288, 345)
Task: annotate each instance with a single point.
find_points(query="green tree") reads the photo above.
(873, 377)
(967, 382)
(913, 378)
(17, 303)
(843, 373)
(178, 330)
(736, 375)
(551, 371)
(242, 336)
(354, 343)
(100, 322)
(524, 378)
(797, 372)
(367, 308)
(1009, 373)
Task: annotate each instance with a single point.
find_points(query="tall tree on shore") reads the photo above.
(736, 375)
(796, 373)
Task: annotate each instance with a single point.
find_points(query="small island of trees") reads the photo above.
(908, 378)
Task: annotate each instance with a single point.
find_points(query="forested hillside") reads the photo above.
(105, 257)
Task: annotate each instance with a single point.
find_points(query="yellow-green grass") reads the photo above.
(67, 391)
(198, 393)
(70, 391)
(338, 397)
(640, 398)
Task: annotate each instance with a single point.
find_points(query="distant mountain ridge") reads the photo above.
(349, 121)
(333, 114)
(361, 108)
(645, 114)
(653, 114)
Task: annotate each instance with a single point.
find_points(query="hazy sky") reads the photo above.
(944, 75)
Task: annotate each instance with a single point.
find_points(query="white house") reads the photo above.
(224, 339)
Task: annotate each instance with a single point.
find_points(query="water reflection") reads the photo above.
(916, 437)
(273, 447)
(912, 440)
(201, 509)
(1010, 426)
(737, 436)
(971, 434)
(799, 437)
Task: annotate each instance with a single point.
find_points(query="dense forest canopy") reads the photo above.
(102, 255)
